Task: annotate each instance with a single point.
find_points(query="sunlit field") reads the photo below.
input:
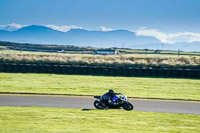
(166, 88)
(37, 119)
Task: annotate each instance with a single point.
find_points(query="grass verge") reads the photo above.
(37, 119)
(164, 88)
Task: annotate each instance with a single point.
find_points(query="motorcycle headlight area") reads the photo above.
(122, 97)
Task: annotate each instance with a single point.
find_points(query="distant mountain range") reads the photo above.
(194, 46)
(100, 39)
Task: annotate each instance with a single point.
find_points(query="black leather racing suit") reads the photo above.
(106, 99)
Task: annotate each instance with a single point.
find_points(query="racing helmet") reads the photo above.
(111, 92)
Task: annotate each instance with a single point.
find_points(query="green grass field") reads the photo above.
(40, 120)
(167, 88)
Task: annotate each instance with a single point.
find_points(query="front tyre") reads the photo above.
(97, 105)
(128, 106)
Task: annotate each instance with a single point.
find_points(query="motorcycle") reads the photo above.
(122, 101)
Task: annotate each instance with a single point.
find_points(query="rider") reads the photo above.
(107, 98)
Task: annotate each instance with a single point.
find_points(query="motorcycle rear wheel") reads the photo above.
(97, 105)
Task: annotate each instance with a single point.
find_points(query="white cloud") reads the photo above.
(169, 38)
(11, 27)
(14, 27)
(102, 28)
(64, 28)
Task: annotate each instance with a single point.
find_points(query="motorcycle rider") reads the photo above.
(107, 98)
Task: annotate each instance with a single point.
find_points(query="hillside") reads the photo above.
(78, 37)
(42, 47)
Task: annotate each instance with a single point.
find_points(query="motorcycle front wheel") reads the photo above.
(128, 106)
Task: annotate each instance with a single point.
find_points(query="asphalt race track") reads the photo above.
(82, 102)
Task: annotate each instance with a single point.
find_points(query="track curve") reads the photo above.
(83, 102)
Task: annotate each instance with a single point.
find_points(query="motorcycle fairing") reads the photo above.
(114, 98)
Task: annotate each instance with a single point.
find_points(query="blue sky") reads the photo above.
(169, 16)
(161, 17)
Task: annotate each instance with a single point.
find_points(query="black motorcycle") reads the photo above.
(122, 101)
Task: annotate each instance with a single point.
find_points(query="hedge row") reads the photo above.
(91, 70)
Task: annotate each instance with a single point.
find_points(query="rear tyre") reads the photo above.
(128, 106)
(98, 105)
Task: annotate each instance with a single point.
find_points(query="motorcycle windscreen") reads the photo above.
(114, 98)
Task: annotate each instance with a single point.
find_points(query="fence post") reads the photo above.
(133, 72)
(85, 70)
(64, 69)
(140, 72)
(162, 72)
(168, 72)
(16, 68)
(183, 73)
(112, 71)
(99, 71)
(23, 68)
(119, 71)
(154, 72)
(147, 72)
(50, 69)
(10, 67)
(105, 71)
(191, 73)
(198, 73)
(125, 72)
(91, 70)
(175, 73)
(2, 68)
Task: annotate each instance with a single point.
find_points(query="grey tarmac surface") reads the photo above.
(83, 102)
